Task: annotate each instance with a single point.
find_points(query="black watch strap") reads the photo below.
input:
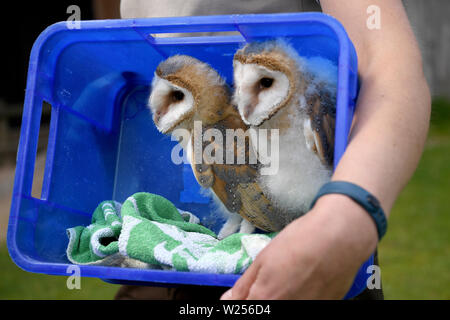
(365, 199)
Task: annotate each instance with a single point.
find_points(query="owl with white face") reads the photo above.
(186, 90)
(277, 89)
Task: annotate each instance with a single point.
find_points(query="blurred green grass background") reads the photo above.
(414, 255)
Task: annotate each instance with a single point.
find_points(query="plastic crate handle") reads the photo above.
(28, 143)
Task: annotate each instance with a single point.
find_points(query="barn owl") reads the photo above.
(186, 92)
(277, 89)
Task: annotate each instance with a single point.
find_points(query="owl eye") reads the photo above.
(177, 96)
(266, 82)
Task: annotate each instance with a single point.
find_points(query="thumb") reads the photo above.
(242, 287)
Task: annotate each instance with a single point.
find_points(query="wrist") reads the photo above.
(346, 223)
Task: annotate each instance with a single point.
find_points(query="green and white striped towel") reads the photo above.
(148, 231)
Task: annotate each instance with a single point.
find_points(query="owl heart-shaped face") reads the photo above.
(170, 104)
(184, 90)
(259, 91)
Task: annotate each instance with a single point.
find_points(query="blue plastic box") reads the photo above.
(103, 144)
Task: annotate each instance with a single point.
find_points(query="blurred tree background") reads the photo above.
(414, 255)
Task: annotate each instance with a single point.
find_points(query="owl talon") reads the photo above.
(230, 226)
(246, 227)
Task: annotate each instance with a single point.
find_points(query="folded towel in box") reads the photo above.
(148, 231)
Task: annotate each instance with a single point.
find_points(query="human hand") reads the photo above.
(315, 257)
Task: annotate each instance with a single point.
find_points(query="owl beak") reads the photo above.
(248, 110)
(157, 116)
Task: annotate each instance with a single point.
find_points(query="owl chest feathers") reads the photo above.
(300, 172)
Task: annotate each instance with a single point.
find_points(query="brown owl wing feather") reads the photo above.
(203, 172)
(321, 108)
(236, 185)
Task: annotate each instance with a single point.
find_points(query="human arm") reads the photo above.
(318, 255)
